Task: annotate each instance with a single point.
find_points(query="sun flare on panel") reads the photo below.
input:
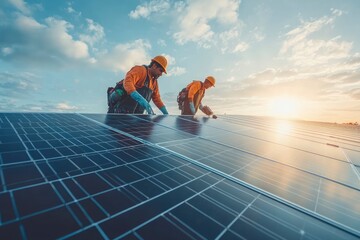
(284, 127)
(284, 107)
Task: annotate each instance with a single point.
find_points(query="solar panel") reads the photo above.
(98, 176)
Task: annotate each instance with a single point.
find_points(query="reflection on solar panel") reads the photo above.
(96, 176)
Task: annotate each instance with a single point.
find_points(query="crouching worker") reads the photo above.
(189, 99)
(138, 88)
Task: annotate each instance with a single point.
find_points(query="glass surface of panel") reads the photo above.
(132, 176)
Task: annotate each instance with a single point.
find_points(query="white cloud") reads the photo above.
(180, 6)
(176, 71)
(312, 52)
(302, 49)
(230, 79)
(17, 84)
(229, 35)
(353, 62)
(6, 51)
(95, 33)
(65, 107)
(258, 35)
(27, 24)
(271, 76)
(33, 42)
(228, 38)
(298, 35)
(35, 108)
(335, 87)
(241, 47)
(161, 43)
(336, 12)
(352, 77)
(58, 39)
(355, 93)
(170, 59)
(195, 16)
(21, 6)
(71, 10)
(125, 56)
(20, 105)
(193, 20)
(146, 9)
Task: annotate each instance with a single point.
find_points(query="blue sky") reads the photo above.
(298, 59)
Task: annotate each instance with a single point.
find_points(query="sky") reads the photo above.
(290, 59)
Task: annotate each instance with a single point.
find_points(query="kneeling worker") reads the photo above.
(138, 88)
(189, 98)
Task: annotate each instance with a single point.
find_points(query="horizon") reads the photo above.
(296, 60)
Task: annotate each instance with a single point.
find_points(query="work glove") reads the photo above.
(163, 110)
(192, 108)
(142, 101)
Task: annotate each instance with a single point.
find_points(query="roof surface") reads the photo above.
(98, 176)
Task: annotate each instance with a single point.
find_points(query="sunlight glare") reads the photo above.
(284, 128)
(283, 107)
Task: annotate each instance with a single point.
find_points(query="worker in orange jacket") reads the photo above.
(138, 88)
(193, 95)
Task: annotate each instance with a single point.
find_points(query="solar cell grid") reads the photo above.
(74, 176)
(139, 126)
(345, 136)
(296, 183)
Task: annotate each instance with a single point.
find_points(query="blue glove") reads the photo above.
(192, 108)
(142, 101)
(163, 110)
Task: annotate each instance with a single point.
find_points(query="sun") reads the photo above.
(284, 107)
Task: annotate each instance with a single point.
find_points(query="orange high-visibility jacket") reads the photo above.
(135, 79)
(196, 92)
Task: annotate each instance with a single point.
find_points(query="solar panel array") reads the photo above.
(98, 176)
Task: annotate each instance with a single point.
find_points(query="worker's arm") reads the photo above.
(134, 79)
(157, 99)
(192, 107)
(207, 110)
(193, 89)
(142, 101)
(201, 108)
(164, 110)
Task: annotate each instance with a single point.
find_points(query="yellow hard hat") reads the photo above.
(161, 60)
(211, 79)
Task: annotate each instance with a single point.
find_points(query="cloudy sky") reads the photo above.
(298, 59)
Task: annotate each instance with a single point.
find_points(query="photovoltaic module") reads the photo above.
(102, 176)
